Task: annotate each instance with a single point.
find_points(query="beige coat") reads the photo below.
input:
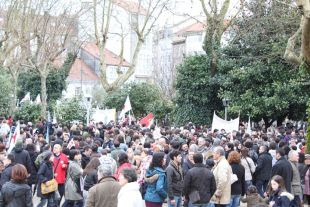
(222, 172)
(104, 193)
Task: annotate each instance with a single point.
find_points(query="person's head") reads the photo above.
(251, 190)
(184, 147)
(280, 153)
(175, 155)
(91, 166)
(234, 157)
(105, 171)
(293, 156)
(158, 160)
(198, 158)
(127, 175)
(75, 155)
(277, 183)
(57, 149)
(244, 152)
(272, 145)
(122, 158)
(9, 159)
(263, 149)
(19, 173)
(201, 142)
(116, 144)
(229, 146)
(218, 152)
(87, 150)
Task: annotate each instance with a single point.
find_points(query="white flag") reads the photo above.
(14, 137)
(38, 99)
(126, 108)
(26, 98)
(248, 130)
(54, 118)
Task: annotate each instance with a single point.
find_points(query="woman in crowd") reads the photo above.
(156, 191)
(249, 166)
(73, 192)
(123, 163)
(90, 176)
(238, 187)
(16, 192)
(129, 195)
(279, 197)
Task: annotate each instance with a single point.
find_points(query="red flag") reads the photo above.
(148, 120)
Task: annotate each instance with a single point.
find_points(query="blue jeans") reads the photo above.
(51, 202)
(261, 186)
(178, 201)
(235, 200)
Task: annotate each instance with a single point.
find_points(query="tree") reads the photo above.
(6, 92)
(259, 82)
(28, 112)
(71, 110)
(197, 92)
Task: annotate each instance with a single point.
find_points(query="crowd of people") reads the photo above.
(121, 165)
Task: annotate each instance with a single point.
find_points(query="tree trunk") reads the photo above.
(43, 95)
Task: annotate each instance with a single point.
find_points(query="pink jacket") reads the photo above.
(120, 168)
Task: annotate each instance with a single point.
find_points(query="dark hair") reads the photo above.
(116, 143)
(175, 144)
(94, 148)
(147, 145)
(30, 147)
(157, 160)
(130, 174)
(86, 148)
(11, 157)
(19, 173)
(120, 138)
(272, 145)
(281, 152)
(174, 153)
(72, 154)
(251, 190)
(244, 152)
(278, 179)
(230, 145)
(198, 158)
(91, 166)
(233, 157)
(122, 158)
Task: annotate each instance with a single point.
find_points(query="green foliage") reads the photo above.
(29, 81)
(71, 110)
(308, 130)
(6, 92)
(28, 112)
(196, 97)
(143, 97)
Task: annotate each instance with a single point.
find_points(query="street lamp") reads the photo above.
(88, 99)
(226, 103)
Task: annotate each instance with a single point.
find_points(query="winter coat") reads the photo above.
(156, 191)
(175, 180)
(90, 180)
(120, 168)
(238, 187)
(73, 186)
(264, 166)
(85, 160)
(284, 169)
(222, 173)
(307, 182)
(45, 174)
(104, 193)
(254, 200)
(249, 167)
(6, 174)
(187, 165)
(296, 187)
(33, 179)
(22, 157)
(281, 199)
(60, 171)
(130, 196)
(15, 195)
(201, 179)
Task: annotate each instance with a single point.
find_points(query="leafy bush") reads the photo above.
(71, 110)
(28, 112)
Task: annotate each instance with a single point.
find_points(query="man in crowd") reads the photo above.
(293, 157)
(263, 169)
(60, 165)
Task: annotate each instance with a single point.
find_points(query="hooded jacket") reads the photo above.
(22, 157)
(281, 199)
(15, 194)
(156, 191)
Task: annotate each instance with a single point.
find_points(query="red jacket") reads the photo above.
(59, 169)
(120, 168)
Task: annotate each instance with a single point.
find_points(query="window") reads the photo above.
(77, 91)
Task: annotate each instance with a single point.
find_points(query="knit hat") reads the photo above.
(19, 144)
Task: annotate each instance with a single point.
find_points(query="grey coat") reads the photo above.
(73, 186)
(296, 186)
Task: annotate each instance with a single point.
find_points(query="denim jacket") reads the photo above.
(156, 191)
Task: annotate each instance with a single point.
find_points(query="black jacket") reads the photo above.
(6, 174)
(264, 166)
(284, 169)
(90, 180)
(175, 181)
(34, 170)
(238, 187)
(85, 160)
(201, 179)
(15, 195)
(45, 174)
(22, 157)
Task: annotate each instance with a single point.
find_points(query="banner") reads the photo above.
(14, 137)
(229, 126)
(105, 116)
(147, 121)
(127, 107)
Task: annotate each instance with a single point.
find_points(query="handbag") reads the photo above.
(194, 196)
(233, 178)
(49, 186)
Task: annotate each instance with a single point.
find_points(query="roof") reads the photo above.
(110, 57)
(87, 74)
(193, 28)
(131, 6)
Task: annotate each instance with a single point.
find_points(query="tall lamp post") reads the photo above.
(88, 99)
(226, 103)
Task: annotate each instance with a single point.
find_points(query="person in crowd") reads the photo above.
(97, 195)
(229, 147)
(90, 176)
(123, 162)
(201, 179)
(22, 156)
(33, 178)
(188, 162)
(115, 152)
(156, 192)
(249, 166)
(293, 157)
(129, 195)
(253, 199)
(238, 187)
(105, 159)
(16, 192)
(86, 156)
(45, 174)
(9, 162)
(74, 195)
(263, 169)
(278, 196)
(60, 165)
(222, 172)
(175, 179)
(283, 168)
